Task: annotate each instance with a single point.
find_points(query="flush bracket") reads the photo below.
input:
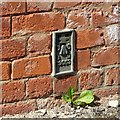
(62, 52)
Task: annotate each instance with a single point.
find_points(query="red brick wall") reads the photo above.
(25, 51)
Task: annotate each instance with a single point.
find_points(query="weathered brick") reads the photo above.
(61, 85)
(60, 5)
(1, 106)
(0, 93)
(112, 76)
(105, 56)
(12, 91)
(37, 22)
(98, 19)
(106, 92)
(39, 87)
(38, 6)
(12, 8)
(40, 43)
(5, 27)
(12, 48)
(107, 7)
(19, 107)
(113, 18)
(27, 67)
(89, 38)
(112, 35)
(83, 58)
(90, 80)
(5, 69)
(76, 19)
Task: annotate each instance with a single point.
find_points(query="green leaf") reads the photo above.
(77, 103)
(86, 96)
(66, 98)
(70, 92)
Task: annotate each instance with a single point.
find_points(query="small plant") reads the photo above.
(86, 97)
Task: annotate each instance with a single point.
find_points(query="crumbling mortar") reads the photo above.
(35, 76)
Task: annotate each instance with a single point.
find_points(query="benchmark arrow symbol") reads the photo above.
(63, 50)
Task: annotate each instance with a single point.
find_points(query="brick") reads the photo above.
(107, 7)
(28, 67)
(106, 92)
(40, 43)
(112, 35)
(38, 22)
(12, 48)
(1, 110)
(60, 5)
(12, 8)
(5, 70)
(39, 87)
(98, 19)
(62, 84)
(83, 58)
(89, 38)
(12, 91)
(90, 79)
(5, 27)
(38, 6)
(19, 107)
(111, 9)
(112, 76)
(0, 93)
(76, 19)
(112, 19)
(105, 56)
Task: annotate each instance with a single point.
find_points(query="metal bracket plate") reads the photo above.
(62, 52)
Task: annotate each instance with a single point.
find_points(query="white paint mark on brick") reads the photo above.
(112, 35)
